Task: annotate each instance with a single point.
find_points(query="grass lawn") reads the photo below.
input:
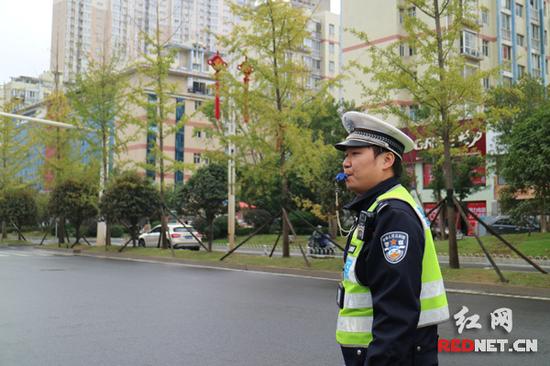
(536, 244)
(13, 242)
(473, 275)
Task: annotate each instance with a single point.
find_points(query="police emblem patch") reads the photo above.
(394, 246)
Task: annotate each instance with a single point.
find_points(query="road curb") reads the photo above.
(452, 286)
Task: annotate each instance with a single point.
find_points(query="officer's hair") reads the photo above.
(397, 166)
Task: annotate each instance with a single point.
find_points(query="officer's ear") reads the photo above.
(388, 160)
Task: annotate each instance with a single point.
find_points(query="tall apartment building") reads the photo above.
(512, 33)
(92, 28)
(324, 46)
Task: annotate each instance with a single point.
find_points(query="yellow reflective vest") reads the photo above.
(355, 318)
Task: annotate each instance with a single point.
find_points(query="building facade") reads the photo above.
(512, 34)
(188, 144)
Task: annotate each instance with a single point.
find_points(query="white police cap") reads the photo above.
(367, 130)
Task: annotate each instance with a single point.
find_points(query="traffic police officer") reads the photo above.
(392, 296)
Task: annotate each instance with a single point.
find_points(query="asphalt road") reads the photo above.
(59, 310)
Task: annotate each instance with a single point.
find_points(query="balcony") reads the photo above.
(535, 44)
(472, 52)
(507, 66)
(535, 15)
(507, 35)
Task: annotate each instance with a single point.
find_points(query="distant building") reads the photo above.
(28, 90)
(93, 28)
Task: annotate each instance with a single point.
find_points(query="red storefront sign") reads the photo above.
(480, 209)
(429, 206)
(475, 141)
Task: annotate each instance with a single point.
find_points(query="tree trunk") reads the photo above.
(543, 221)
(210, 233)
(332, 226)
(447, 163)
(284, 195)
(107, 233)
(61, 230)
(4, 230)
(77, 232)
(451, 216)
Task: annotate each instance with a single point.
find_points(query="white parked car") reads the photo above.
(179, 235)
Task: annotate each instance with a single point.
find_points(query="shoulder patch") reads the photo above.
(394, 246)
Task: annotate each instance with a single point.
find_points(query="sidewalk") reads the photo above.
(452, 286)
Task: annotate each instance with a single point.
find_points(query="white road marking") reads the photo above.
(17, 254)
(450, 290)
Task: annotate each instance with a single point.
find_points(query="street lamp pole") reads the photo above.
(38, 120)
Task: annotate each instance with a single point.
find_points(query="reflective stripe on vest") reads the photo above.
(355, 319)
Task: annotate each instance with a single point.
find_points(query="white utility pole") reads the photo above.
(231, 182)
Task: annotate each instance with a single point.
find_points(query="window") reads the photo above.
(519, 10)
(521, 71)
(520, 39)
(535, 32)
(486, 83)
(331, 31)
(413, 112)
(331, 48)
(198, 104)
(506, 52)
(402, 50)
(401, 15)
(411, 51)
(508, 4)
(317, 64)
(485, 17)
(506, 27)
(411, 11)
(196, 158)
(199, 87)
(485, 48)
(469, 43)
(331, 67)
(536, 64)
(198, 134)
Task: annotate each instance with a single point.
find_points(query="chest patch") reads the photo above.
(394, 246)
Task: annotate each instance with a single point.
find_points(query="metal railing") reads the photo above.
(471, 51)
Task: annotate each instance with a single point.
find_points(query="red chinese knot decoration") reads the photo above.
(246, 68)
(218, 64)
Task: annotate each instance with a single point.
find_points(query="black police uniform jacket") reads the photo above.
(395, 288)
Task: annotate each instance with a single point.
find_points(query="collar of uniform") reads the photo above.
(366, 199)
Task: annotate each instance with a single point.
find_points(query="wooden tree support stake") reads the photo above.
(285, 217)
(485, 251)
